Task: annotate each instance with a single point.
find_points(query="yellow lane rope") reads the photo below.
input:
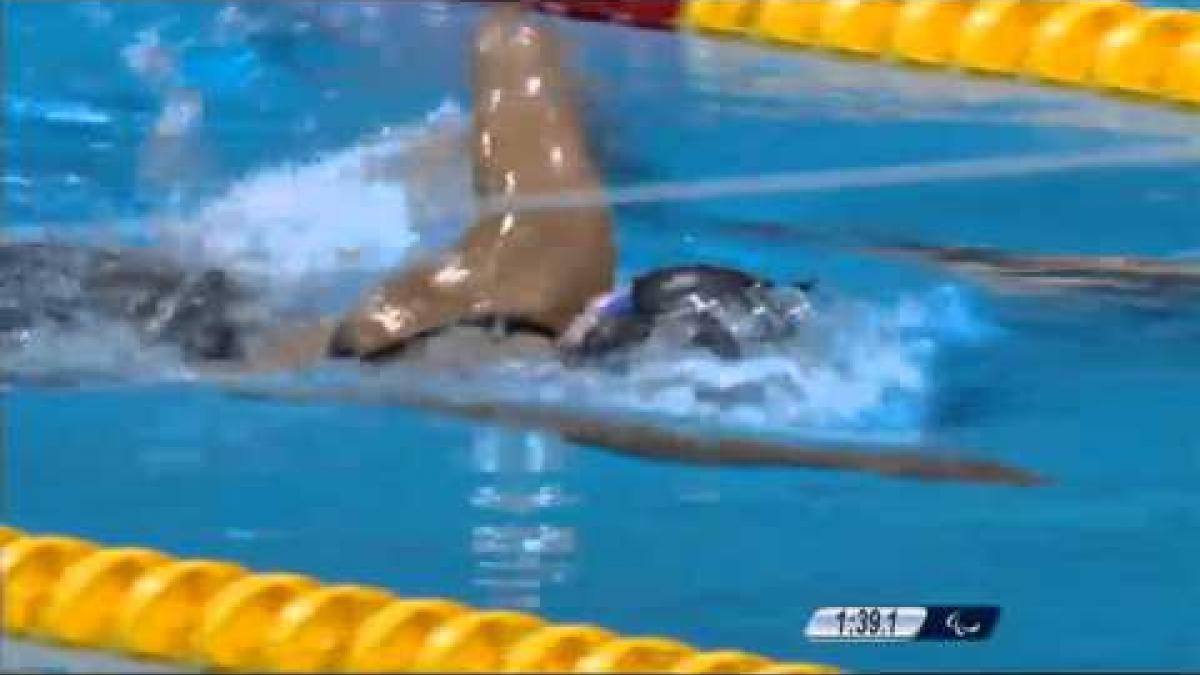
(220, 615)
(1114, 46)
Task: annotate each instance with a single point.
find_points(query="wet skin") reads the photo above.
(536, 268)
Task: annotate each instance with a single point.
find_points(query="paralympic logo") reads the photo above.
(955, 623)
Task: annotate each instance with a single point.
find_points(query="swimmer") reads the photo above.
(544, 276)
(516, 283)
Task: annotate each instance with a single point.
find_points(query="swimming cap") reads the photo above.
(703, 306)
(672, 288)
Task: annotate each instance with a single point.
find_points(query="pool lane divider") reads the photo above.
(219, 615)
(1107, 46)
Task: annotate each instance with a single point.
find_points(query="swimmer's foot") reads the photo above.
(540, 267)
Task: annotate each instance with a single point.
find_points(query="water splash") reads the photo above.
(858, 371)
(854, 367)
(94, 352)
(857, 367)
(350, 214)
(290, 231)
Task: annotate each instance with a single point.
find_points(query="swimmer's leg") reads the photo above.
(542, 267)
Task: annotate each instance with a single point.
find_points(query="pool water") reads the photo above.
(275, 104)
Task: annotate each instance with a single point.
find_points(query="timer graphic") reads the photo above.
(902, 624)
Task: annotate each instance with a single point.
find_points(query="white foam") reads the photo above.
(861, 372)
(857, 367)
(290, 225)
(97, 351)
(287, 227)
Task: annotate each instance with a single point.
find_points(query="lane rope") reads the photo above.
(1112, 46)
(220, 615)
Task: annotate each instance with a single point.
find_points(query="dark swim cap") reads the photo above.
(703, 306)
(673, 288)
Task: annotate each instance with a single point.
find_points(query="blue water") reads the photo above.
(1096, 571)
